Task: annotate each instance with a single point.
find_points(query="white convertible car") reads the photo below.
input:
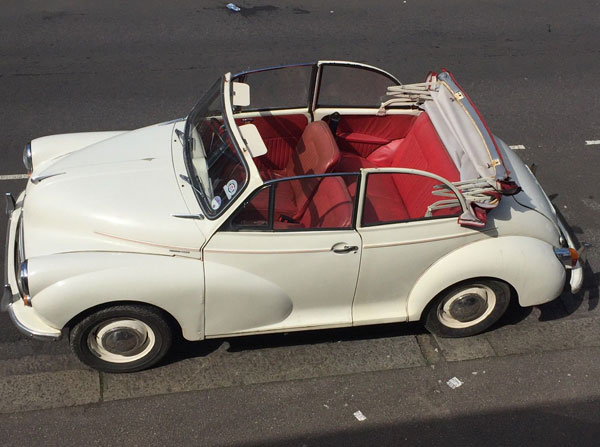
(300, 197)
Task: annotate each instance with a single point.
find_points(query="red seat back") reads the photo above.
(316, 153)
(330, 207)
(422, 149)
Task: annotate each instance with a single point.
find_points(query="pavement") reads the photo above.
(50, 376)
(531, 68)
(541, 399)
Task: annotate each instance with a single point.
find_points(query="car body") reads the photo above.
(298, 197)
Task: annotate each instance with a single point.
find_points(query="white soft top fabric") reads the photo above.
(460, 135)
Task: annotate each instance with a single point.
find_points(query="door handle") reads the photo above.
(342, 248)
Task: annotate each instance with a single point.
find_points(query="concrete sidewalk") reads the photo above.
(56, 379)
(544, 398)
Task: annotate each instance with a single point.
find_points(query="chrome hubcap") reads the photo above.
(121, 340)
(467, 307)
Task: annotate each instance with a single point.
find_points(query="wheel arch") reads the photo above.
(513, 293)
(173, 322)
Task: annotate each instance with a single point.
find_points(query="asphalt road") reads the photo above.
(531, 67)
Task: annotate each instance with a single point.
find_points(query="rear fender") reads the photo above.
(529, 265)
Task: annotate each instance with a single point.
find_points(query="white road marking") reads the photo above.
(517, 147)
(591, 142)
(13, 177)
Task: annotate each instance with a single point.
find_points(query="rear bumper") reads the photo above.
(576, 272)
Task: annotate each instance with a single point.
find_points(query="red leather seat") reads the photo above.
(316, 153)
(329, 207)
(422, 149)
(401, 197)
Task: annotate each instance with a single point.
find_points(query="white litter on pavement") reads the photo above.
(517, 147)
(233, 7)
(359, 415)
(454, 383)
(474, 373)
(591, 142)
(13, 176)
(326, 406)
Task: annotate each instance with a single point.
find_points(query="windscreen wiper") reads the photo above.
(186, 179)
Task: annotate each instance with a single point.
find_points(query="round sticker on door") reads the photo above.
(230, 188)
(216, 203)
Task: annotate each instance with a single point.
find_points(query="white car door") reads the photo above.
(268, 271)
(401, 239)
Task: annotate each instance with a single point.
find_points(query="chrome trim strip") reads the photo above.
(187, 249)
(39, 178)
(30, 332)
(266, 252)
(418, 241)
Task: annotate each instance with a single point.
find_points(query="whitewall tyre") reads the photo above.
(122, 338)
(468, 308)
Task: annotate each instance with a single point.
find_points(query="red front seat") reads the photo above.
(316, 153)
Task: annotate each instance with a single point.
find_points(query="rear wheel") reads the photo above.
(124, 338)
(468, 308)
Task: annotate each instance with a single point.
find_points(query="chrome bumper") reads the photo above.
(23, 327)
(24, 318)
(577, 271)
(7, 294)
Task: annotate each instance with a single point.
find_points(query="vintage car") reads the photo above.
(298, 197)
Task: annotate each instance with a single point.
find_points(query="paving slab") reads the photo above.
(458, 349)
(32, 364)
(48, 390)
(545, 336)
(222, 368)
(28, 346)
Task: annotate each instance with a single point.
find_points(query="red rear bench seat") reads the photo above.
(399, 197)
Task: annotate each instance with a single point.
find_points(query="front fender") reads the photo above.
(64, 285)
(527, 264)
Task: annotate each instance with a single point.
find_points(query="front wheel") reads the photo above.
(468, 308)
(125, 338)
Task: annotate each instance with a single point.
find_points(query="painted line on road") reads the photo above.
(13, 177)
(591, 142)
(517, 147)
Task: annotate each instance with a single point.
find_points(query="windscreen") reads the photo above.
(216, 168)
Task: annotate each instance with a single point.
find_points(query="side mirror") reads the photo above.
(253, 140)
(241, 94)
